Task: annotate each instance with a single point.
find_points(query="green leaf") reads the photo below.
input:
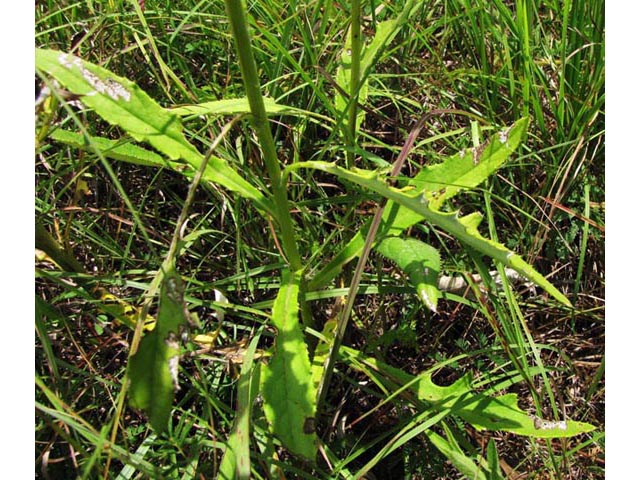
(386, 31)
(343, 81)
(234, 106)
(115, 149)
(493, 462)
(122, 103)
(236, 463)
(439, 182)
(482, 411)
(153, 370)
(323, 350)
(332, 269)
(421, 262)
(457, 173)
(465, 229)
(450, 449)
(470, 167)
(287, 389)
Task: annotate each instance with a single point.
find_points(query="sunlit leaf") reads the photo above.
(116, 149)
(439, 182)
(236, 463)
(121, 102)
(287, 389)
(483, 412)
(420, 261)
(462, 228)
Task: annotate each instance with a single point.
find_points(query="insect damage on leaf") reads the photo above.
(108, 86)
(309, 426)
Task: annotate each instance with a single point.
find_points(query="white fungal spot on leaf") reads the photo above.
(173, 370)
(175, 290)
(475, 154)
(108, 86)
(503, 136)
(174, 361)
(540, 424)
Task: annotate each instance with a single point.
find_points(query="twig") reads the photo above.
(357, 275)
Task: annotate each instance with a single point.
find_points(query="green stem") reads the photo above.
(356, 49)
(237, 14)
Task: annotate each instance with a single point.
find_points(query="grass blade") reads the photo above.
(236, 463)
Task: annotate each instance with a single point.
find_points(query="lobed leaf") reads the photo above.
(287, 388)
(461, 171)
(470, 167)
(465, 229)
(438, 182)
(482, 411)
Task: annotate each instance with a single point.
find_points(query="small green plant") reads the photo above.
(294, 376)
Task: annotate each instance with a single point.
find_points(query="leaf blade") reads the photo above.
(287, 389)
(482, 411)
(465, 229)
(153, 370)
(122, 103)
(421, 263)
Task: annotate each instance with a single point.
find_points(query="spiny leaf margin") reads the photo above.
(465, 229)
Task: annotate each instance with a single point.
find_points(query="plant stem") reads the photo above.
(343, 319)
(356, 48)
(237, 13)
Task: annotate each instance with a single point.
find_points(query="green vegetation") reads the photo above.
(320, 239)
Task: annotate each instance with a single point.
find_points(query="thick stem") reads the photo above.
(236, 12)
